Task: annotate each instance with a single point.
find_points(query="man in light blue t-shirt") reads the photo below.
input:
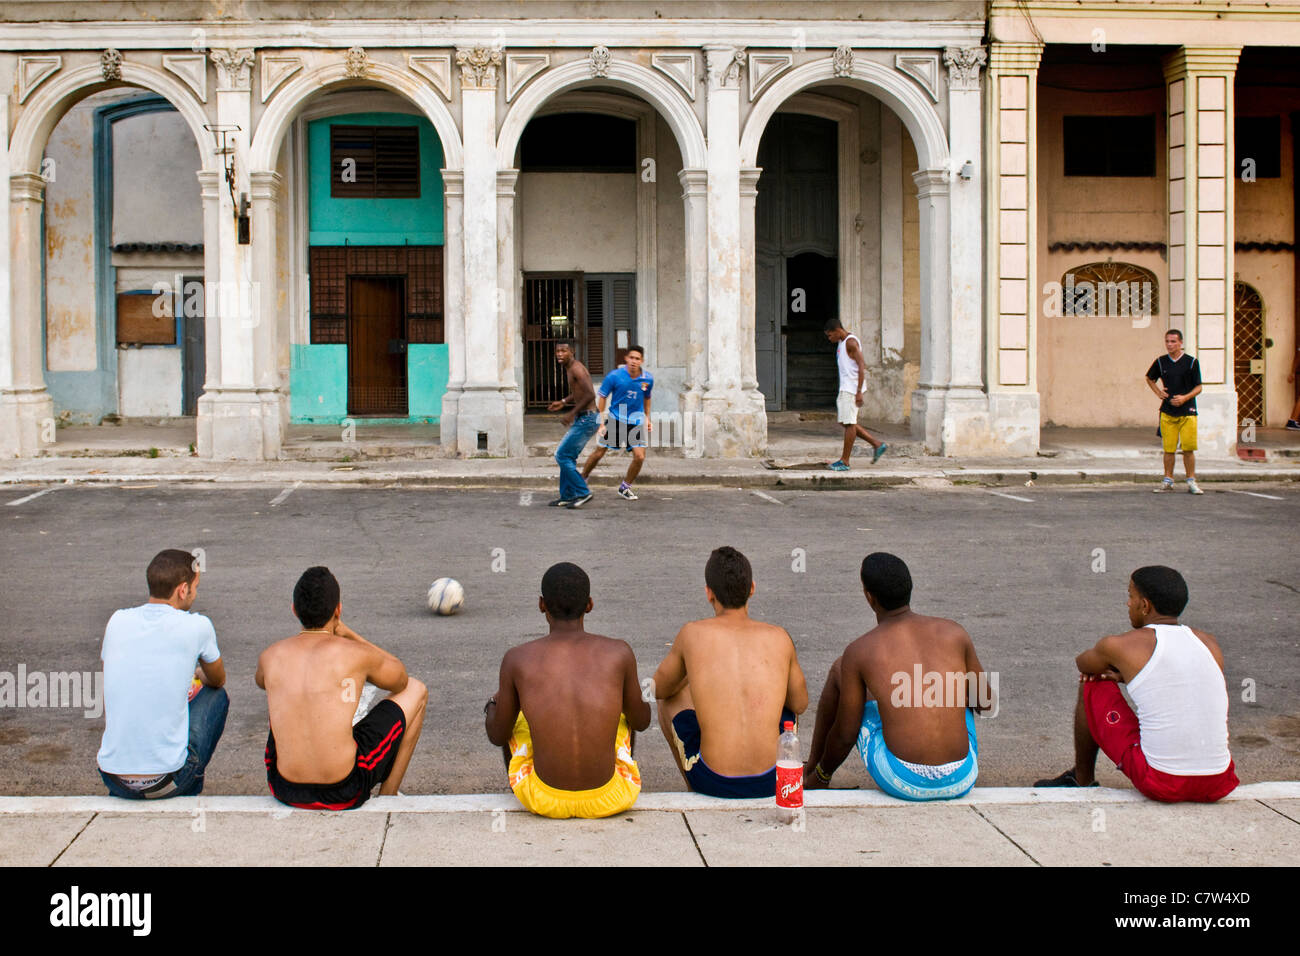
(626, 390)
(163, 715)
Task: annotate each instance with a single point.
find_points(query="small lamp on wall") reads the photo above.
(967, 171)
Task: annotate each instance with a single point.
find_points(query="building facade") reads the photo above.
(260, 217)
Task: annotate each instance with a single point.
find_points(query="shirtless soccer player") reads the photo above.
(726, 687)
(315, 758)
(1176, 746)
(903, 693)
(572, 755)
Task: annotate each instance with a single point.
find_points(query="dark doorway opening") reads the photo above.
(377, 345)
(811, 376)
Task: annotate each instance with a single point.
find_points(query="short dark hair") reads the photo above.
(832, 324)
(1163, 587)
(887, 577)
(635, 348)
(316, 597)
(566, 344)
(566, 590)
(1177, 332)
(729, 576)
(168, 570)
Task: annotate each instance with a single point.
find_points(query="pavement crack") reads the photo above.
(83, 830)
(1007, 838)
(383, 840)
(1277, 811)
(1282, 584)
(695, 841)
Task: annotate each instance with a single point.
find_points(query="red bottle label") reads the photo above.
(789, 787)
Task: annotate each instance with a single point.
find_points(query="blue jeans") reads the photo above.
(208, 712)
(566, 456)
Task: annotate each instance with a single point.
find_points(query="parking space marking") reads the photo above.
(27, 498)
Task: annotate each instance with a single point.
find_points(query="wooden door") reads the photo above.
(377, 346)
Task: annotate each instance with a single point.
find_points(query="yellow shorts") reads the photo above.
(614, 797)
(1176, 430)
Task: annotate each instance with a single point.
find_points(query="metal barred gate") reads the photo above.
(1248, 353)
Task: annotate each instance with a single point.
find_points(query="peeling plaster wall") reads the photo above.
(155, 189)
(578, 221)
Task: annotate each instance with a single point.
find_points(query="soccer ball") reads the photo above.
(446, 596)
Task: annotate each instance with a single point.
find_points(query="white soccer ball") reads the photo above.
(446, 596)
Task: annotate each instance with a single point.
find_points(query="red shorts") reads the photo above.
(1115, 728)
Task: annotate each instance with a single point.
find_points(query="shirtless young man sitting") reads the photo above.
(1175, 747)
(726, 687)
(572, 755)
(315, 758)
(904, 692)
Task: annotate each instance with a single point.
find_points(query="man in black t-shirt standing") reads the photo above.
(1176, 379)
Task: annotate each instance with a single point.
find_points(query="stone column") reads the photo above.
(237, 427)
(891, 238)
(748, 317)
(734, 421)
(265, 196)
(1011, 233)
(210, 185)
(696, 242)
(936, 359)
(26, 408)
(1199, 85)
(484, 408)
(511, 305)
(453, 301)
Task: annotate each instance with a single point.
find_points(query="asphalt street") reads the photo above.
(1021, 569)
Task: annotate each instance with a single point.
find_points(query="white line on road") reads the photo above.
(767, 497)
(27, 498)
(1258, 494)
(1003, 494)
(285, 494)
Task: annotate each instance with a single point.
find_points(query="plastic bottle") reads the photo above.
(789, 776)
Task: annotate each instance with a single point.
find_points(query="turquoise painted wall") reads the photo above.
(318, 384)
(374, 222)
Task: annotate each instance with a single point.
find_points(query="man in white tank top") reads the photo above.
(853, 382)
(1175, 747)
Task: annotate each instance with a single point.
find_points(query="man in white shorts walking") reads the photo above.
(853, 382)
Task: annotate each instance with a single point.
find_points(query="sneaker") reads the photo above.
(559, 503)
(625, 491)
(1166, 485)
(1066, 779)
(880, 450)
(579, 501)
(838, 466)
(1292, 425)
(1193, 488)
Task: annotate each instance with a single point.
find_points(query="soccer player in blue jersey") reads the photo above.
(626, 391)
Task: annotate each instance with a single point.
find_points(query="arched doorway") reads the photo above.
(1248, 353)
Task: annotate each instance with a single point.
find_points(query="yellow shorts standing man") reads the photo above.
(1176, 380)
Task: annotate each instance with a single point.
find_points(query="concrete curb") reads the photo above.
(672, 802)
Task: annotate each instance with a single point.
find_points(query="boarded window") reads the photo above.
(374, 162)
(1110, 145)
(145, 319)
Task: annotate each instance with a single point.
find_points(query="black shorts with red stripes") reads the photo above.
(378, 735)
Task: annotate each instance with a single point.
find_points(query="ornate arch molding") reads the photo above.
(667, 98)
(289, 99)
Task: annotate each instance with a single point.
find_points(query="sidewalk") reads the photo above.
(1256, 825)
(799, 449)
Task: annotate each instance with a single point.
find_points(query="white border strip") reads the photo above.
(672, 802)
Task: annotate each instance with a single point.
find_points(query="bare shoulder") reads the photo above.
(946, 628)
(1207, 638)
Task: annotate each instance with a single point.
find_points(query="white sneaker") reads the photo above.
(1193, 488)
(1165, 485)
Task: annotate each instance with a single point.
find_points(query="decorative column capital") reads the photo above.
(931, 182)
(1201, 59)
(506, 179)
(26, 187)
(453, 182)
(234, 69)
(694, 182)
(1014, 57)
(266, 184)
(749, 180)
(725, 65)
(963, 63)
(478, 67)
(209, 183)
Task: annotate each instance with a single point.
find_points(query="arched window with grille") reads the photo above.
(1101, 290)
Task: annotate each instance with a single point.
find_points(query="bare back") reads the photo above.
(915, 667)
(313, 682)
(741, 673)
(572, 689)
